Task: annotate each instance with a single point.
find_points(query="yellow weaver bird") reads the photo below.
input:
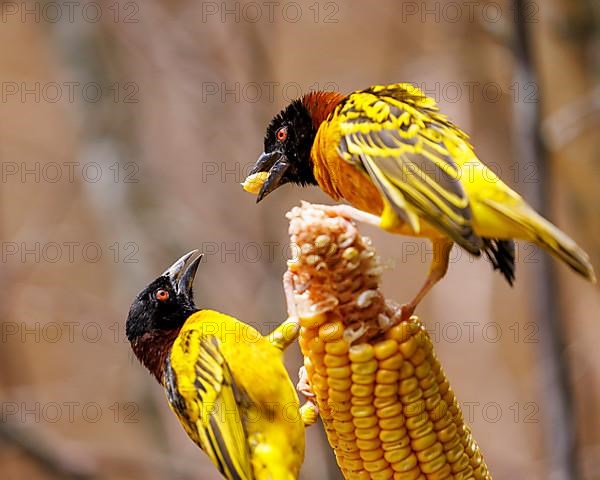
(225, 382)
(406, 168)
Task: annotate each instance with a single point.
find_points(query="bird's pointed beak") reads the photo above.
(182, 273)
(276, 163)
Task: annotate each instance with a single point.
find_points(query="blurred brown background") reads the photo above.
(125, 129)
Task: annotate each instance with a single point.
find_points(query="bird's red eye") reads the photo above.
(281, 134)
(162, 295)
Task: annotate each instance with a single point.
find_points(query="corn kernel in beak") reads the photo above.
(254, 183)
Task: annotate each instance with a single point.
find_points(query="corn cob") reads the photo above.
(387, 407)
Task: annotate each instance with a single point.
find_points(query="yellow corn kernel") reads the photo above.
(368, 444)
(397, 455)
(376, 465)
(360, 475)
(414, 408)
(339, 372)
(389, 436)
(408, 386)
(424, 442)
(417, 421)
(343, 427)
(352, 464)
(364, 422)
(390, 411)
(413, 397)
(385, 474)
(423, 370)
(359, 390)
(339, 396)
(316, 347)
(433, 401)
(340, 383)
(403, 442)
(337, 347)
(368, 400)
(392, 363)
(386, 376)
(331, 331)
(312, 321)
(465, 474)
(367, 433)
(361, 353)
(406, 464)
(406, 370)
(412, 474)
(337, 407)
(454, 453)
(429, 382)
(391, 423)
(418, 357)
(363, 411)
(365, 368)
(437, 469)
(461, 464)
(385, 349)
(363, 379)
(335, 360)
(385, 390)
(381, 402)
(447, 434)
(371, 455)
(399, 332)
(408, 348)
(253, 183)
(430, 453)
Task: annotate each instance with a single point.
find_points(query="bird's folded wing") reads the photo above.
(203, 393)
(396, 135)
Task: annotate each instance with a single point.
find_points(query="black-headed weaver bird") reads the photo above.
(403, 166)
(225, 382)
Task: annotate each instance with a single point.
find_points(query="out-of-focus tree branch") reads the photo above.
(558, 402)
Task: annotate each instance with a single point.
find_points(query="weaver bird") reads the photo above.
(406, 168)
(225, 382)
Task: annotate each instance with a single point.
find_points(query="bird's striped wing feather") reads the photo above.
(203, 394)
(396, 135)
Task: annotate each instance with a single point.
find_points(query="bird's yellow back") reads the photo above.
(230, 390)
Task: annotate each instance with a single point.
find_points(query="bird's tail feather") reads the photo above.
(537, 229)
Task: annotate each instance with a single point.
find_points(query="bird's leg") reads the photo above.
(351, 213)
(437, 269)
(288, 331)
(309, 411)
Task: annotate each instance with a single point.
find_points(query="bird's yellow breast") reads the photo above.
(338, 178)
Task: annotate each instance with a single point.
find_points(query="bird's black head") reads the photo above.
(288, 142)
(165, 304)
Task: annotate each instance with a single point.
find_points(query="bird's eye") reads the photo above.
(281, 134)
(162, 295)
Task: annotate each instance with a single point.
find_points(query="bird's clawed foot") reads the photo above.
(303, 384)
(309, 411)
(351, 213)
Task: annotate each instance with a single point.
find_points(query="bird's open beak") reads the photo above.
(276, 163)
(182, 272)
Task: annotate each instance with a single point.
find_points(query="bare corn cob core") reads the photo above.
(387, 407)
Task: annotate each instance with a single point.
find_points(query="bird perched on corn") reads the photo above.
(392, 155)
(224, 381)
